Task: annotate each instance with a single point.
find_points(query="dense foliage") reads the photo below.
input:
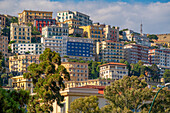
(128, 93)
(13, 101)
(85, 105)
(166, 75)
(47, 78)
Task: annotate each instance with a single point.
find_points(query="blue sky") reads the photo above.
(154, 14)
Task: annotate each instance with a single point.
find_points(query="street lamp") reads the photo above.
(156, 95)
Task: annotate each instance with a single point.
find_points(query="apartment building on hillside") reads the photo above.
(83, 19)
(20, 33)
(18, 63)
(28, 16)
(27, 48)
(110, 51)
(159, 57)
(50, 31)
(113, 70)
(135, 52)
(78, 71)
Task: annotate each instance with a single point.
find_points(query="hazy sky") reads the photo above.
(154, 14)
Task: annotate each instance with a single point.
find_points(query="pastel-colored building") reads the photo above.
(111, 33)
(83, 19)
(92, 82)
(94, 32)
(19, 63)
(49, 31)
(70, 94)
(4, 45)
(19, 82)
(113, 70)
(135, 52)
(28, 16)
(20, 33)
(159, 57)
(2, 21)
(27, 48)
(74, 29)
(110, 51)
(39, 23)
(77, 71)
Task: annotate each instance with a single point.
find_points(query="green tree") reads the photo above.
(128, 93)
(4, 77)
(47, 78)
(155, 71)
(85, 105)
(13, 101)
(166, 75)
(152, 37)
(35, 31)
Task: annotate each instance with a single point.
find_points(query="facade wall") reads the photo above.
(94, 32)
(111, 33)
(20, 33)
(23, 48)
(28, 16)
(67, 15)
(50, 31)
(77, 71)
(2, 21)
(64, 46)
(4, 45)
(93, 82)
(136, 52)
(110, 51)
(19, 82)
(113, 70)
(39, 23)
(19, 63)
(159, 57)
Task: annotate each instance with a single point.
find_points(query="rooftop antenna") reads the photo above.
(141, 28)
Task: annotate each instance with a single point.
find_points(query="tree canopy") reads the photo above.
(13, 101)
(47, 78)
(128, 93)
(166, 75)
(153, 37)
(85, 105)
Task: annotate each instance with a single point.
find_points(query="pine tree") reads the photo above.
(47, 78)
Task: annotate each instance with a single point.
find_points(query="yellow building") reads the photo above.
(19, 63)
(19, 82)
(28, 16)
(94, 31)
(20, 33)
(72, 23)
(92, 82)
(78, 71)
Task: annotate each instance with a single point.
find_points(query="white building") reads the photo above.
(27, 48)
(67, 15)
(113, 70)
(159, 57)
(54, 30)
(140, 39)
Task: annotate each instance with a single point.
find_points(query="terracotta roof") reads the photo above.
(113, 63)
